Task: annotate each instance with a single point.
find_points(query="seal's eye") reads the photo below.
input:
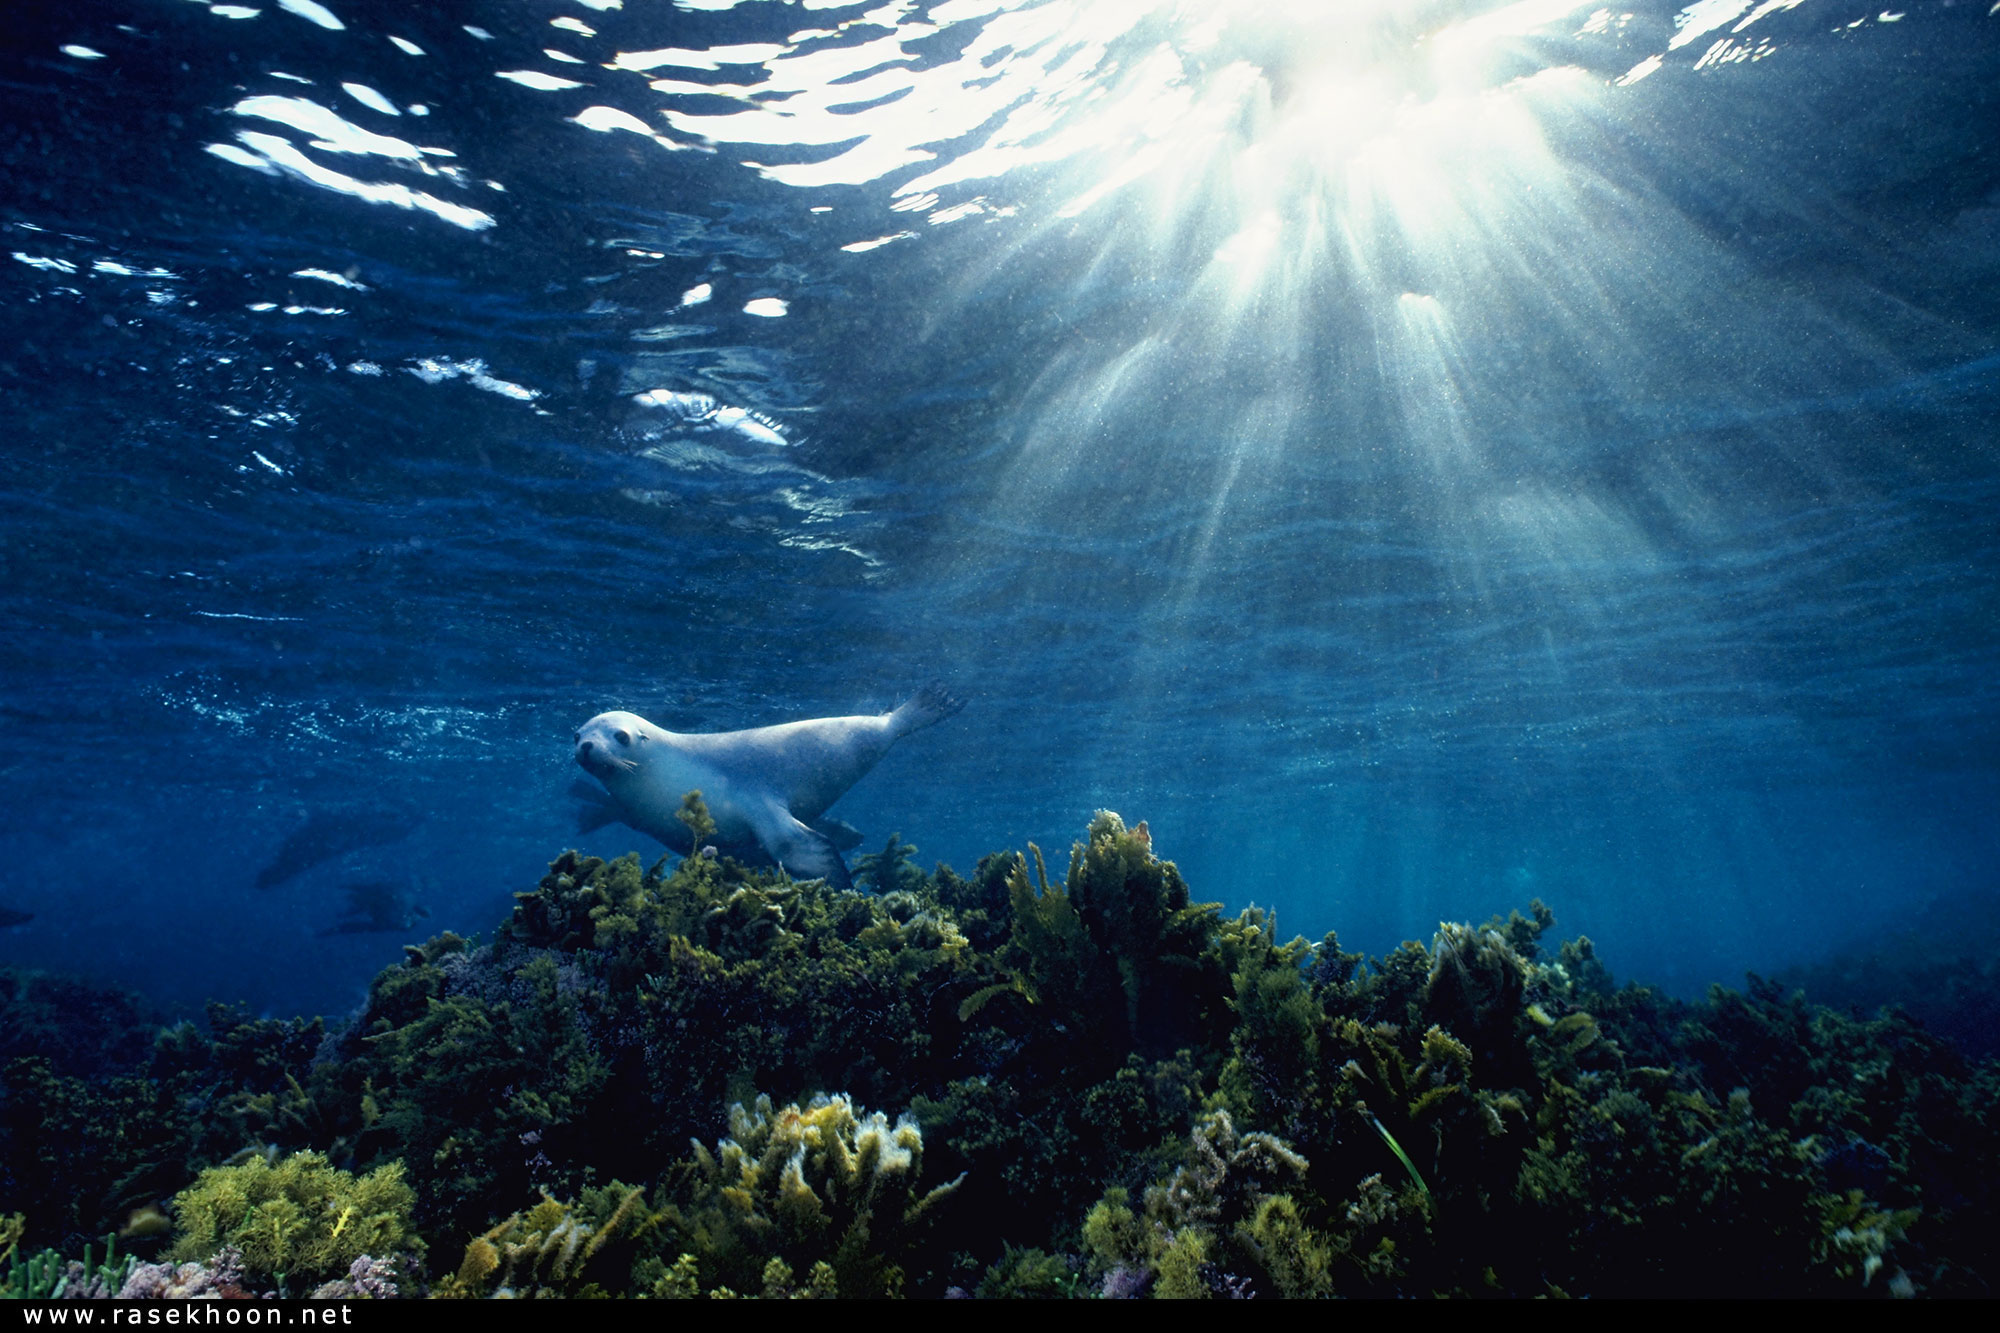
(624, 737)
(577, 737)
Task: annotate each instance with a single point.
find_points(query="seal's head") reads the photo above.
(612, 745)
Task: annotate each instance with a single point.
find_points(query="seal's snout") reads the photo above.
(604, 745)
(593, 758)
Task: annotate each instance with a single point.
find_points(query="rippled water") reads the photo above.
(1419, 456)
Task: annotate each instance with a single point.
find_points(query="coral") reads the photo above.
(1299, 1260)
(1224, 1224)
(256, 1066)
(95, 1150)
(367, 1279)
(1224, 1177)
(1115, 960)
(48, 1276)
(678, 1281)
(84, 1152)
(579, 896)
(221, 1276)
(1859, 1238)
(296, 1219)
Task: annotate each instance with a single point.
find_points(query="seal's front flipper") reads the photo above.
(597, 810)
(802, 851)
(844, 837)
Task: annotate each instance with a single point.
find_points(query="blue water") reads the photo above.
(1418, 457)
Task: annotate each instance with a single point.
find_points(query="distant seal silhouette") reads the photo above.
(328, 834)
(767, 789)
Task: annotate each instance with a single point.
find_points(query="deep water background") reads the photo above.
(1615, 525)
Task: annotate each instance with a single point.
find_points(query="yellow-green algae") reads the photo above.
(294, 1220)
(1101, 1086)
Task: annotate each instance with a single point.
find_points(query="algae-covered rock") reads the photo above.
(1112, 1089)
(84, 1153)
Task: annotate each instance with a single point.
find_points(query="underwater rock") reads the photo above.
(366, 1279)
(220, 1276)
(81, 1029)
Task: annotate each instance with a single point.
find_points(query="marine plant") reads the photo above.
(87, 1151)
(296, 1220)
(894, 869)
(553, 1249)
(821, 1189)
(1111, 1088)
(1029, 1273)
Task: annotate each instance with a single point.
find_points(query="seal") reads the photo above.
(767, 789)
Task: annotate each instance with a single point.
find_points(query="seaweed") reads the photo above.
(651, 1081)
(553, 1249)
(296, 1220)
(822, 1189)
(894, 869)
(82, 1030)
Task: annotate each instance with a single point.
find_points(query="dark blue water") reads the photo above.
(1419, 458)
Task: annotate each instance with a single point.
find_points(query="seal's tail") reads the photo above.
(933, 703)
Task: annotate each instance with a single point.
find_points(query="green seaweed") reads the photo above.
(295, 1220)
(1416, 1176)
(894, 869)
(1112, 1089)
(1027, 1273)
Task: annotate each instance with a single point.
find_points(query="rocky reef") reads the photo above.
(704, 1079)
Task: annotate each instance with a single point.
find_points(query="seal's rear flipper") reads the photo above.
(802, 851)
(933, 703)
(844, 837)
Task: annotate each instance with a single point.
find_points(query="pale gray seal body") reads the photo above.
(767, 789)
